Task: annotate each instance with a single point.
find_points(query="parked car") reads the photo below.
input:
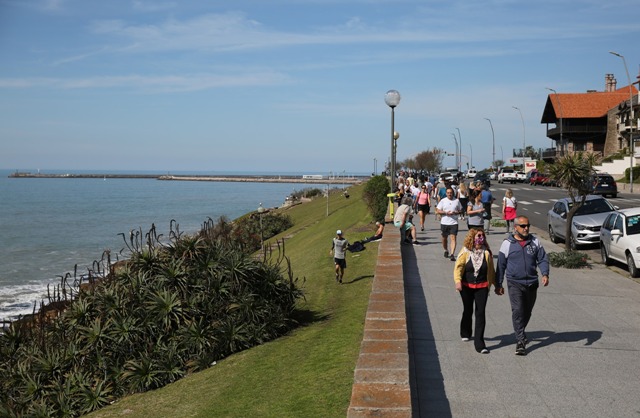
(530, 174)
(471, 173)
(620, 239)
(493, 176)
(587, 221)
(538, 179)
(507, 175)
(605, 185)
(520, 176)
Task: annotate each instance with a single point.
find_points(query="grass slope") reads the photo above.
(308, 373)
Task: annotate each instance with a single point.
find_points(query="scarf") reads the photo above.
(477, 257)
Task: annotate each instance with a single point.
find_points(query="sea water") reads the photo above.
(49, 225)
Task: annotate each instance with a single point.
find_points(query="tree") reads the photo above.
(574, 172)
(498, 163)
(430, 160)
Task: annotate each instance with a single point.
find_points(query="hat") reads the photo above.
(338, 232)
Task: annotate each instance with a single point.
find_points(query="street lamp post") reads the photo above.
(375, 166)
(493, 143)
(561, 112)
(260, 212)
(392, 99)
(524, 146)
(631, 120)
(471, 157)
(460, 138)
(457, 152)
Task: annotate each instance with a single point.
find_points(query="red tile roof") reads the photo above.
(584, 105)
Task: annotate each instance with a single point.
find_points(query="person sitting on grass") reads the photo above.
(378, 235)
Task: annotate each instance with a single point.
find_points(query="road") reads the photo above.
(535, 202)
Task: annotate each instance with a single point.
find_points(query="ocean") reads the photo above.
(49, 225)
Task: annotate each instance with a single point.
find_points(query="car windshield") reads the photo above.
(593, 206)
(633, 225)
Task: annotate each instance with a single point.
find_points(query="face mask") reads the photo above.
(479, 240)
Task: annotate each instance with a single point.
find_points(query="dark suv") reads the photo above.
(604, 184)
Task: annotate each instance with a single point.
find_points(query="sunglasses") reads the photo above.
(523, 225)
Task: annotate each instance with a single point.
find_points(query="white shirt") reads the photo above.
(509, 202)
(449, 205)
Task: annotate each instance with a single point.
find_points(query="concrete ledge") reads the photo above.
(381, 378)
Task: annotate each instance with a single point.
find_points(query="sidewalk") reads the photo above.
(583, 358)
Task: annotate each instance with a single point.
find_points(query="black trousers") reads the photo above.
(522, 298)
(471, 297)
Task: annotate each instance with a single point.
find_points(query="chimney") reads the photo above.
(609, 83)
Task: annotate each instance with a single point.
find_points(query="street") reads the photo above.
(535, 202)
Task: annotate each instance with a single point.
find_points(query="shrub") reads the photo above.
(307, 193)
(375, 195)
(569, 259)
(636, 174)
(173, 308)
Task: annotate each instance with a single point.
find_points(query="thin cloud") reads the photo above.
(157, 84)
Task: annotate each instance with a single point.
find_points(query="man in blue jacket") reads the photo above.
(519, 258)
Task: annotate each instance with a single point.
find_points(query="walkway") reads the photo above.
(584, 354)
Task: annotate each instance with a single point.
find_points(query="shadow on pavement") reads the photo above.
(428, 396)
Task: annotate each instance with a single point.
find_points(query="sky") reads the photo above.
(292, 85)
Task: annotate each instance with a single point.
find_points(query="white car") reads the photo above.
(471, 173)
(521, 176)
(620, 239)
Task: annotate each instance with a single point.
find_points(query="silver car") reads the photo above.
(587, 221)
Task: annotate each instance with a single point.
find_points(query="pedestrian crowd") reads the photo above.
(520, 256)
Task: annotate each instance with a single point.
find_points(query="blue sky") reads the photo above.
(291, 85)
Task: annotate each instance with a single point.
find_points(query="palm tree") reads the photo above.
(574, 172)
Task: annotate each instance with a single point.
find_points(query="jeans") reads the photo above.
(522, 298)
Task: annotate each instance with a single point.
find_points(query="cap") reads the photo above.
(338, 232)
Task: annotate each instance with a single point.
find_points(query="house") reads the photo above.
(593, 121)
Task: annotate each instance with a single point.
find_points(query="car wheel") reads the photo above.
(633, 270)
(552, 235)
(614, 195)
(605, 256)
(572, 243)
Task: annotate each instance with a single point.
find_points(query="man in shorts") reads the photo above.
(449, 208)
(338, 249)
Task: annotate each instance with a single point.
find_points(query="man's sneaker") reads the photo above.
(340, 280)
(520, 349)
(484, 351)
(416, 243)
(465, 339)
(337, 278)
(452, 258)
(446, 254)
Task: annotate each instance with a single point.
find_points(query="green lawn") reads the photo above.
(308, 373)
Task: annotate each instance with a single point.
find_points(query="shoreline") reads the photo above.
(218, 178)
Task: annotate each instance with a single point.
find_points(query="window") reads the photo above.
(609, 222)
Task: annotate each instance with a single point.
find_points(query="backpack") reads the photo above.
(356, 246)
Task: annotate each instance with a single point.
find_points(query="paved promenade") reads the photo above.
(583, 359)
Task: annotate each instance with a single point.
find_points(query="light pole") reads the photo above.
(561, 112)
(375, 166)
(457, 152)
(460, 138)
(493, 143)
(471, 157)
(260, 212)
(631, 120)
(392, 99)
(524, 147)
